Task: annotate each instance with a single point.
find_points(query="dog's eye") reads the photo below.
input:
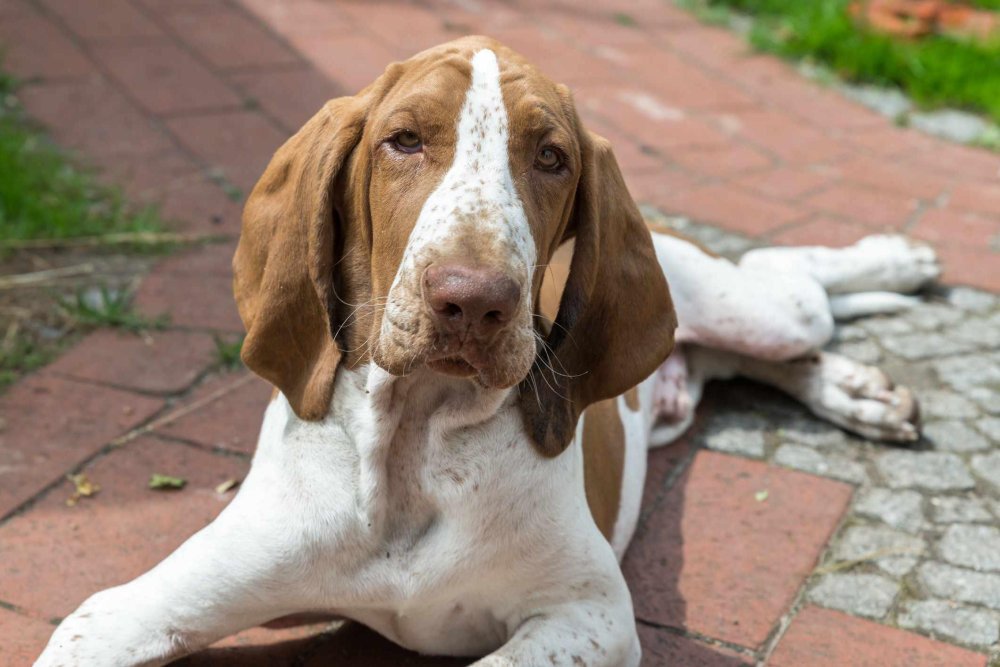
(407, 141)
(548, 159)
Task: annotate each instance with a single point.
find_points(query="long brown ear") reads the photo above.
(283, 268)
(616, 320)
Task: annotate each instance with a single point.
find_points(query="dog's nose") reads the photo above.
(464, 297)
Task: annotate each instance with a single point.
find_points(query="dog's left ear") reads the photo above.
(283, 268)
(616, 321)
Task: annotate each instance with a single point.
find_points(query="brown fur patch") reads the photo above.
(603, 463)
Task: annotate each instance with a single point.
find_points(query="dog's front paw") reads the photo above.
(106, 630)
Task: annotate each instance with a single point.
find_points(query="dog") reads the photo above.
(469, 328)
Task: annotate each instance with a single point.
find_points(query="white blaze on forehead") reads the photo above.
(477, 198)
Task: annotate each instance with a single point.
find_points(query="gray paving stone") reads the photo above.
(849, 333)
(865, 351)
(944, 404)
(899, 509)
(955, 436)
(937, 471)
(928, 316)
(807, 459)
(976, 547)
(972, 300)
(988, 399)
(812, 432)
(967, 625)
(974, 370)
(736, 433)
(886, 326)
(991, 427)
(869, 595)
(979, 332)
(953, 509)
(956, 583)
(886, 101)
(987, 466)
(951, 124)
(924, 345)
(863, 542)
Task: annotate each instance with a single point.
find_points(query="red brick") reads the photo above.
(60, 58)
(661, 647)
(981, 198)
(146, 179)
(12, 10)
(214, 259)
(892, 176)
(229, 38)
(721, 162)
(351, 61)
(715, 47)
(162, 362)
(55, 556)
(651, 119)
(727, 207)
(557, 57)
(113, 19)
(238, 143)
(292, 96)
(590, 27)
(684, 84)
(631, 155)
(823, 231)
(715, 561)
(403, 27)
(970, 266)
(877, 208)
(301, 17)
(890, 141)
(230, 421)
(52, 424)
(21, 638)
(659, 187)
(783, 135)
(201, 206)
(164, 78)
(954, 159)
(824, 638)
(945, 226)
(193, 300)
(94, 118)
(786, 183)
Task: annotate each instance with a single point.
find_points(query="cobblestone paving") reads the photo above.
(920, 547)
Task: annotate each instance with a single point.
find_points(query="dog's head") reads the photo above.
(411, 225)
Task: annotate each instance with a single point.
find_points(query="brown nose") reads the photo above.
(468, 297)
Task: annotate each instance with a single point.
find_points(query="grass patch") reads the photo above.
(105, 307)
(935, 71)
(227, 353)
(44, 195)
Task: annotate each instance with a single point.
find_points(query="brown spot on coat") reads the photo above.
(603, 463)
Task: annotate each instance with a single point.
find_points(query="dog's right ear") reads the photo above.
(283, 270)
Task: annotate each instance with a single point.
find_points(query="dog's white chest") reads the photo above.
(435, 522)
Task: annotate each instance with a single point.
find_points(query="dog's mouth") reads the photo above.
(454, 366)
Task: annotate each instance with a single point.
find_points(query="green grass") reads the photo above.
(227, 353)
(21, 355)
(111, 308)
(935, 71)
(43, 195)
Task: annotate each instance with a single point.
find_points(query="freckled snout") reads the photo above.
(470, 298)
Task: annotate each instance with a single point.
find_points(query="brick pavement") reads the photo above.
(183, 102)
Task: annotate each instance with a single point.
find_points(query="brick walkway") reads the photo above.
(182, 101)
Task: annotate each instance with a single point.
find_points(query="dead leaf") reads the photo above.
(83, 488)
(226, 486)
(166, 482)
(761, 496)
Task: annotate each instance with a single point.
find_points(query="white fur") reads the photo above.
(476, 199)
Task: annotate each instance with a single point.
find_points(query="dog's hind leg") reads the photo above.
(859, 398)
(878, 263)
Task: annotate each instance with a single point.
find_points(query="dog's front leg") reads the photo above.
(575, 633)
(223, 579)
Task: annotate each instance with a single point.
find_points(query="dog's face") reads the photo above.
(410, 226)
(473, 173)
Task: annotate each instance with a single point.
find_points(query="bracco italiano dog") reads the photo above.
(455, 452)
